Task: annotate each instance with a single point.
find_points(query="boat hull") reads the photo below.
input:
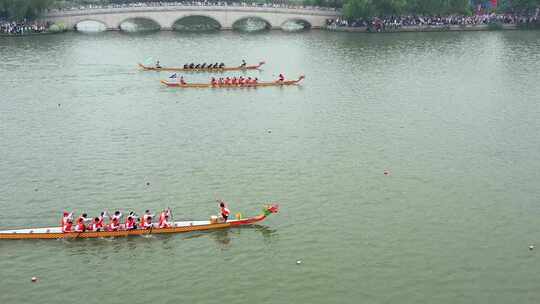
(224, 69)
(231, 86)
(177, 227)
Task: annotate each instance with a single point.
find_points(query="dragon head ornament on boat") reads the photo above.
(269, 209)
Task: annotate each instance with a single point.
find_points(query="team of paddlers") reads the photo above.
(132, 221)
(193, 66)
(216, 65)
(233, 81)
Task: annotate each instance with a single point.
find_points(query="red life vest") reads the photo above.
(225, 211)
(115, 223)
(130, 223)
(92, 227)
(163, 221)
(81, 227)
(67, 227)
(65, 217)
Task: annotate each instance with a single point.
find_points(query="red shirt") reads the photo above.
(81, 227)
(130, 223)
(225, 211)
(67, 227)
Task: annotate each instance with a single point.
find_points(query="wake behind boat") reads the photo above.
(202, 67)
(173, 227)
(225, 83)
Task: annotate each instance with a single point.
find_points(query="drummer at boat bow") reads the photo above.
(224, 210)
(244, 64)
(158, 66)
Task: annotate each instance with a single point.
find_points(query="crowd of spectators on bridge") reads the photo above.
(22, 27)
(395, 22)
(162, 3)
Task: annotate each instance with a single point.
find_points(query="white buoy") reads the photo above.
(34, 279)
(298, 262)
(531, 247)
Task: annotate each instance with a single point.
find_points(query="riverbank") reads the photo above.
(429, 28)
(359, 29)
(32, 34)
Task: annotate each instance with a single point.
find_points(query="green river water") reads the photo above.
(453, 117)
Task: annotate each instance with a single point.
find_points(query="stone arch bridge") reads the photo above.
(165, 17)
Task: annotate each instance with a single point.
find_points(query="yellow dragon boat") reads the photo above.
(223, 69)
(176, 227)
(276, 83)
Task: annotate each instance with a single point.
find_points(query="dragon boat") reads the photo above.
(176, 227)
(221, 86)
(223, 69)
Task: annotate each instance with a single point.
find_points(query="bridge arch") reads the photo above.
(90, 25)
(139, 23)
(196, 22)
(295, 25)
(251, 23)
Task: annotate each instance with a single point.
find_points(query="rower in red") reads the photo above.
(81, 227)
(164, 218)
(101, 219)
(148, 223)
(97, 224)
(114, 224)
(65, 217)
(68, 226)
(131, 223)
(147, 214)
(81, 222)
(281, 78)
